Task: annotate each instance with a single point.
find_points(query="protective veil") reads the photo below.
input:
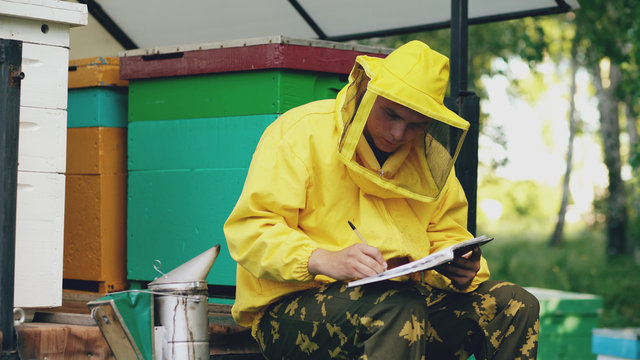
(417, 78)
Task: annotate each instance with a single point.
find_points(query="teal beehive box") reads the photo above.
(175, 215)
(97, 96)
(209, 143)
(184, 179)
(566, 322)
(97, 106)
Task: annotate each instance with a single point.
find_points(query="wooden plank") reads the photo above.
(46, 76)
(43, 10)
(227, 337)
(76, 302)
(98, 71)
(63, 318)
(35, 32)
(43, 140)
(96, 151)
(95, 231)
(39, 239)
(55, 341)
(245, 58)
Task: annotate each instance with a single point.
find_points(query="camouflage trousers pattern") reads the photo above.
(402, 320)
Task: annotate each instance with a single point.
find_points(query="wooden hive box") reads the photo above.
(96, 181)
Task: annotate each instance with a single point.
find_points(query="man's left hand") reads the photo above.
(462, 269)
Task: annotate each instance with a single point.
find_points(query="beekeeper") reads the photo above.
(381, 156)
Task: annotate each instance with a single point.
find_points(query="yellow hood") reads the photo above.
(414, 76)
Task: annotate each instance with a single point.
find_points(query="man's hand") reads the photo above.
(355, 262)
(462, 269)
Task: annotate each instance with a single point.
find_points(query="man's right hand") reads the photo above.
(354, 262)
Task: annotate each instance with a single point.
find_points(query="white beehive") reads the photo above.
(43, 27)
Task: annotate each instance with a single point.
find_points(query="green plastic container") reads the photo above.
(228, 94)
(620, 343)
(97, 106)
(211, 143)
(566, 322)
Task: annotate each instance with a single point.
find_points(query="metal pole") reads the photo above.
(467, 168)
(466, 104)
(459, 46)
(10, 76)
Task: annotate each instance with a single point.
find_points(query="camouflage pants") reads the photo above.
(399, 320)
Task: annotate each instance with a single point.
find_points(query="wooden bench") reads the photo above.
(69, 332)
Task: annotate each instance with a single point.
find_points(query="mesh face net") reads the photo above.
(441, 145)
(353, 98)
(434, 153)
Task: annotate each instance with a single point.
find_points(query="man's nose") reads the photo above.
(398, 130)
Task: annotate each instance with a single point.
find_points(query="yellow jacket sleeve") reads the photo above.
(262, 231)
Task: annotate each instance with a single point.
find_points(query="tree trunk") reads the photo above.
(634, 151)
(616, 218)
(556, 238)
(632, 124)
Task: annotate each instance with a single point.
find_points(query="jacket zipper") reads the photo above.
(385, 212)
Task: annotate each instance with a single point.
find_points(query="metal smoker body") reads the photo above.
(181, 325)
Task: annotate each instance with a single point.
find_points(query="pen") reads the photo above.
(357, 232)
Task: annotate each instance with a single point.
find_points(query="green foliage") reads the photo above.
(524, 38)
(525, 204)
(611, 29)
(579, 265)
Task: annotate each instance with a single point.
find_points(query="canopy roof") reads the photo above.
(152, 23)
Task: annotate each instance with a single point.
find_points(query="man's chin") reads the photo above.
(388, 148)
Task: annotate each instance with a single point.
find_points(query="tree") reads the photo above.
(556, 238)
(608, 31)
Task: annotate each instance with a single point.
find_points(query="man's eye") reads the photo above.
(393, 115)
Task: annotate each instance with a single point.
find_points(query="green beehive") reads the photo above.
(175, 215)
(228, 94)
(184, 179)
(566, 322)
(211, 143)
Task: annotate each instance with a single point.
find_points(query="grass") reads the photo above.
(579, 265)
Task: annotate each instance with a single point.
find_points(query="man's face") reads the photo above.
(391, 125)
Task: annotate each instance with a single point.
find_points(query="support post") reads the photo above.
(459, 47)
(466, 104)
(10, 76)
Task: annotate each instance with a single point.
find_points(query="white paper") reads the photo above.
(430, 261)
